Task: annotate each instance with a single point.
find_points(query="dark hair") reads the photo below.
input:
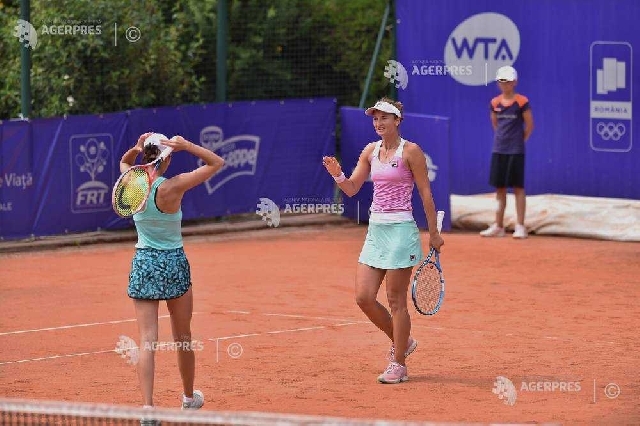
(150, 153)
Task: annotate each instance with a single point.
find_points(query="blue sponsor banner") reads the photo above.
(431, 133)
(575, 63)
(57, 174)
(77, 163)
(17, 177)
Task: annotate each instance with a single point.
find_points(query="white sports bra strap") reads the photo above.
(400, 148)
(376, 150)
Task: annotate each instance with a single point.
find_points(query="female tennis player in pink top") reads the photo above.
(392, 246)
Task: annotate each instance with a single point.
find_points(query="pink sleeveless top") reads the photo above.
(392, 182)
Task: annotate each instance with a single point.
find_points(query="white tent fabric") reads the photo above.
(552, 214)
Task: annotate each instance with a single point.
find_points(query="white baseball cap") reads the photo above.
(506, 74)
(384, 107)
(154, 139)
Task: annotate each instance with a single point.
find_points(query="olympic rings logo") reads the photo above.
(611, 131)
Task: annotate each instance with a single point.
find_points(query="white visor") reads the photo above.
(154, 139)
(384, 107)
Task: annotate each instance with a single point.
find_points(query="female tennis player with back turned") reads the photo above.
(392, 245)
(160, 269)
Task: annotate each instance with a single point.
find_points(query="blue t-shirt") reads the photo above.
(509, 134)
(156, 229)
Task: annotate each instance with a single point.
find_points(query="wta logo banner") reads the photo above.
(240, 154)
(482, 43)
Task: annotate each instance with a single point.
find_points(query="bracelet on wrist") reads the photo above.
(340, 178)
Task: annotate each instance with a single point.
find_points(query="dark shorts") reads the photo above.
(159, 274)
(507, 171)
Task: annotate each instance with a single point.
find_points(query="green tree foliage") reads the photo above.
(82, 73)
(305, 48)
(276, 49)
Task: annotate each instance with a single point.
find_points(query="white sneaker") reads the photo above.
(493, 231)
(520, 232)
(148, 420)
(196, 402)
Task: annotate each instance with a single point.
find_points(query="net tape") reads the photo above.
(13, 410)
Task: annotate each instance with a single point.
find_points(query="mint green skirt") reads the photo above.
(392, 245)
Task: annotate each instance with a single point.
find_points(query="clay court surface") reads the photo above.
(280, 331)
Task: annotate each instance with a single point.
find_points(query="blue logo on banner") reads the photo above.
(91, 168)
(240, 154)
(610, 94)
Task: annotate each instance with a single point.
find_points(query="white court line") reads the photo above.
(320, 327)
(319, 318)
(237, 336)
(66, 327)
(354, 321)
(44, 358)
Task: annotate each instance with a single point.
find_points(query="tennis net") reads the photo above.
(21, 412)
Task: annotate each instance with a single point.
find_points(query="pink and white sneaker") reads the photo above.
(412, 345)
(395, 373)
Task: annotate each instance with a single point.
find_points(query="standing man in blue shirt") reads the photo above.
(512, 123)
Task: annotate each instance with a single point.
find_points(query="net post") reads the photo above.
(376, 51)
(221, 51)
(393, 90)
(25, 65)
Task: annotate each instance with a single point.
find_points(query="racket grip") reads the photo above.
(440, 218)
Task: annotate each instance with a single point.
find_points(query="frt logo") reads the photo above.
(91, 168)
(484, 42)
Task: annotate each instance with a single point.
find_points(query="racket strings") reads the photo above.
(131, 192)
(428, 288)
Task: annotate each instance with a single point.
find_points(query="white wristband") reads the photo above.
(341, 178)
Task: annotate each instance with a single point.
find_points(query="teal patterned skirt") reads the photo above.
(159, 274)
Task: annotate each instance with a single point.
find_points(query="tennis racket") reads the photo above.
(131, 190)
(427, 288)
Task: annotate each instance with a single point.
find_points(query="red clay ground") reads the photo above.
(281, 331)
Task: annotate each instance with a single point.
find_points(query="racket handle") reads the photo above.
(440, 218)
